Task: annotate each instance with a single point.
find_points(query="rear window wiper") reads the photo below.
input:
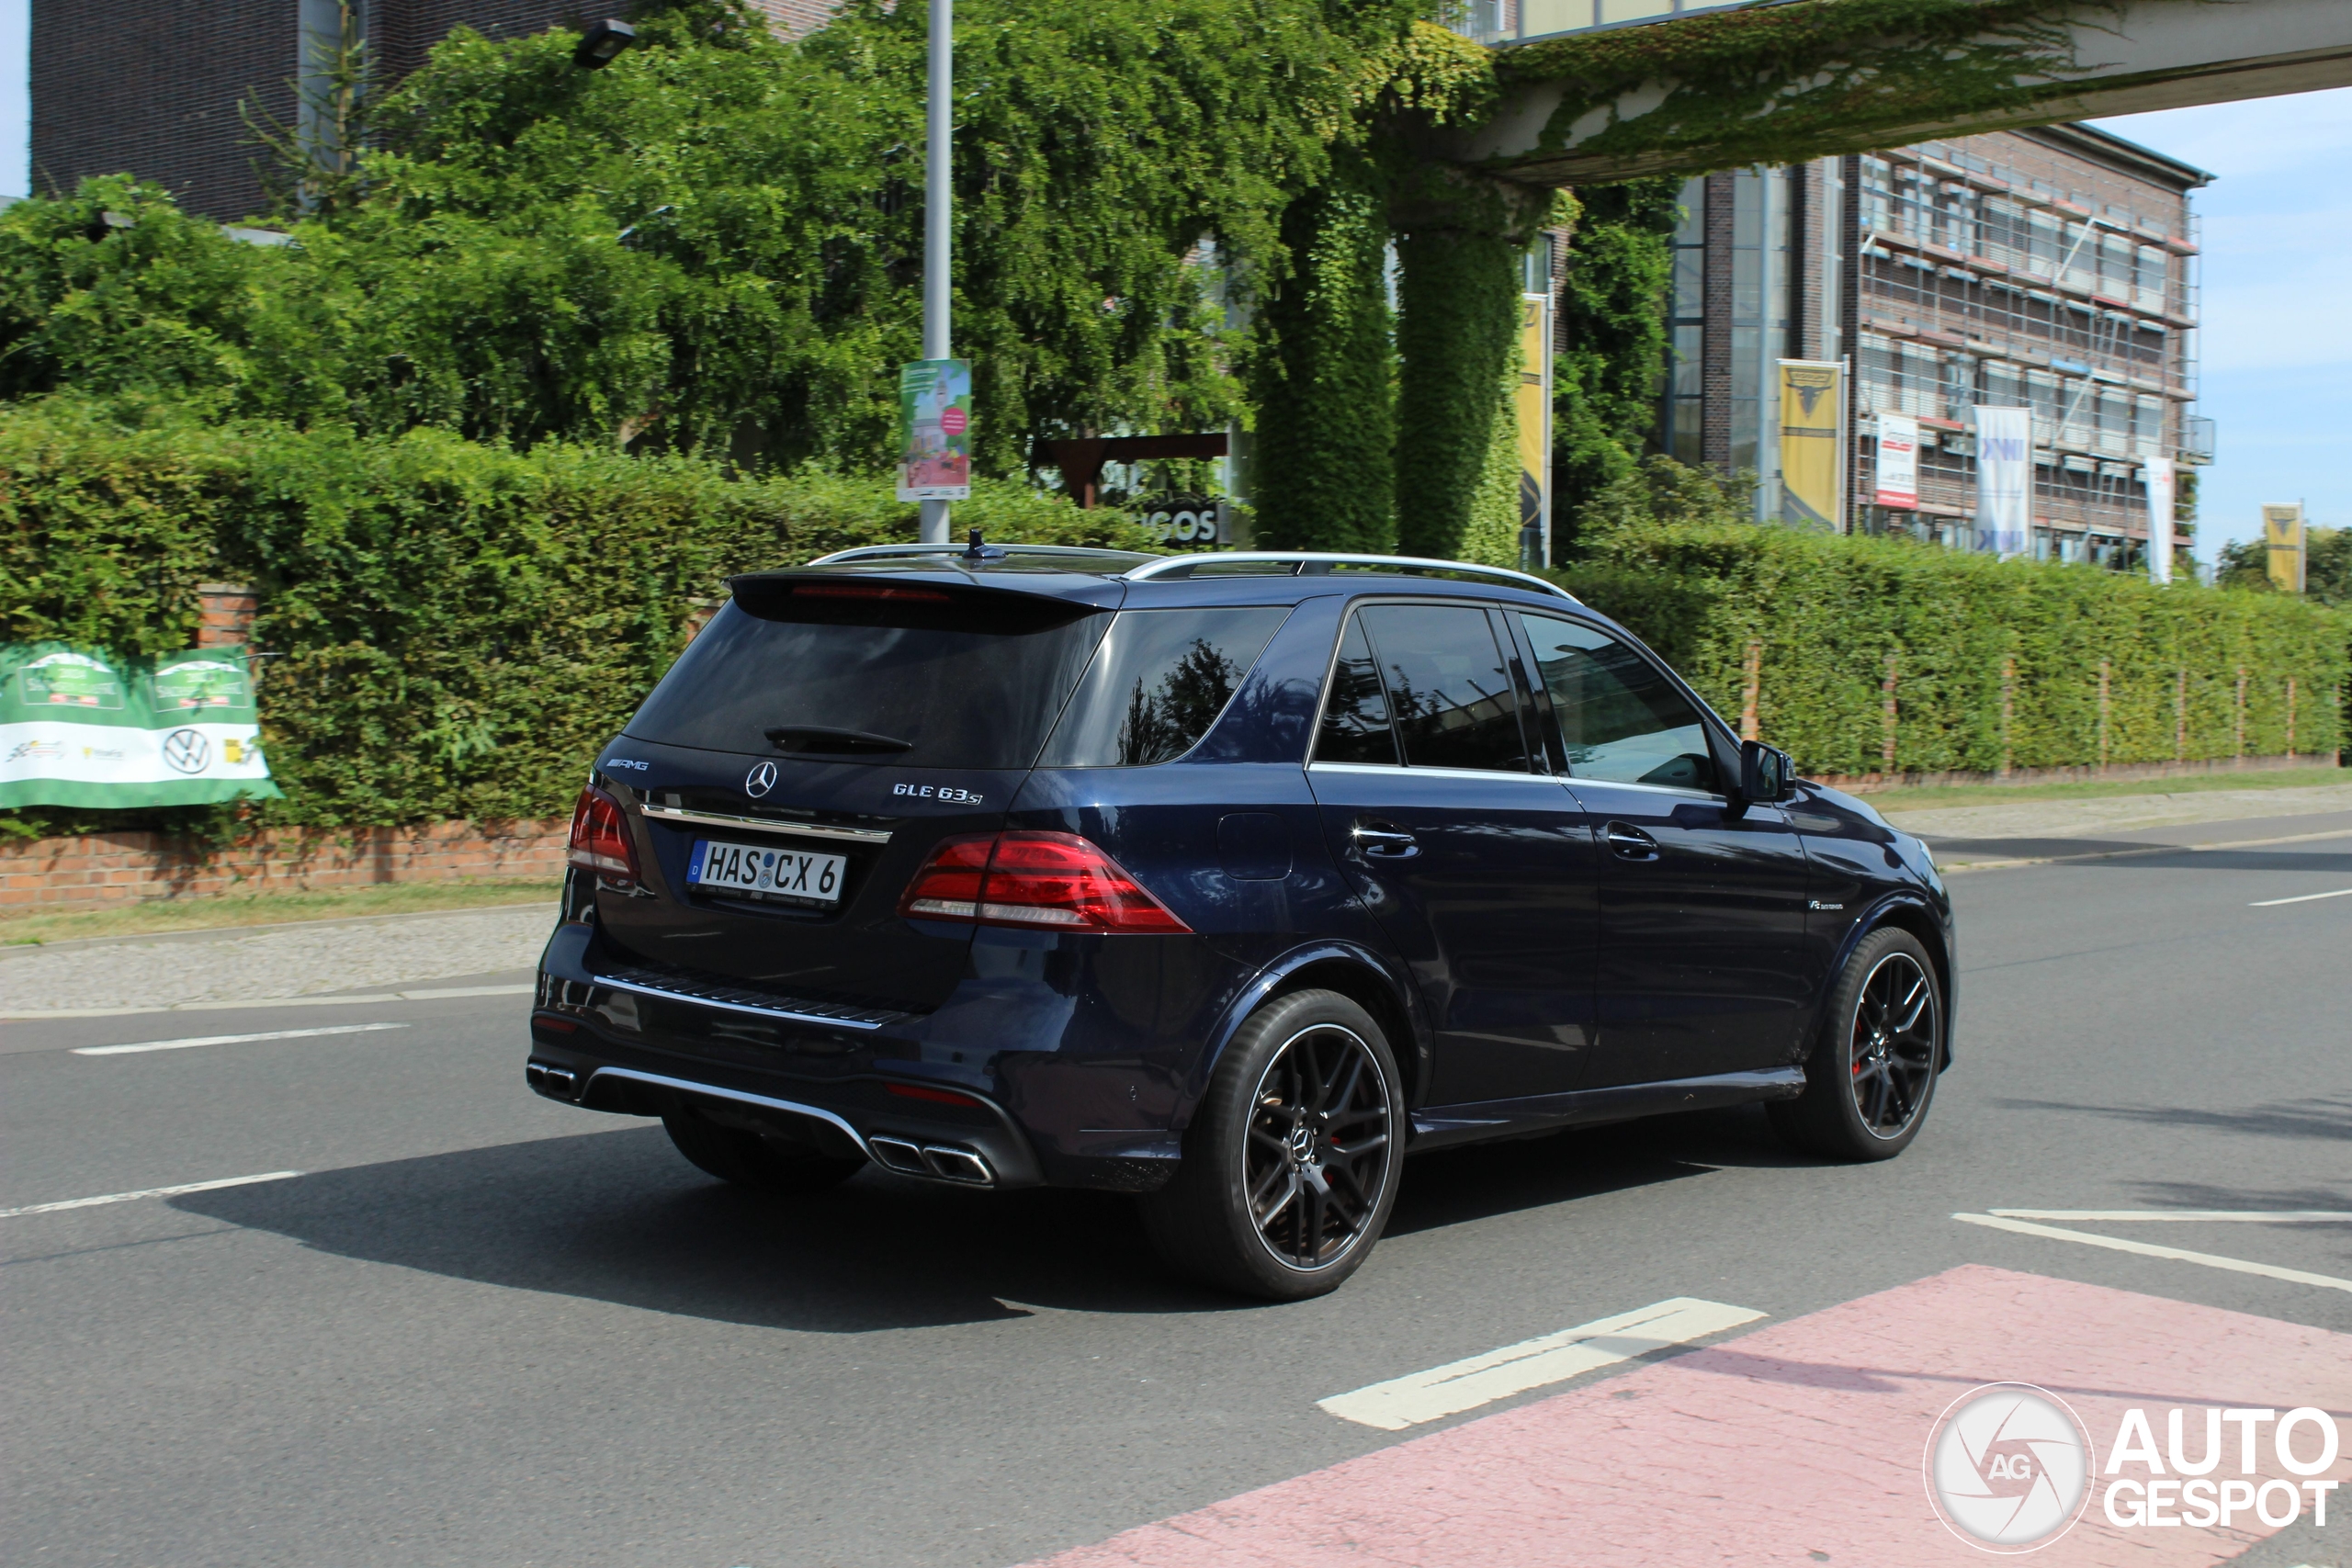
(817, 740)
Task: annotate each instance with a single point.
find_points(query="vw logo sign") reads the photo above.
(187, 752)
(2008, 1466)
(760, 780)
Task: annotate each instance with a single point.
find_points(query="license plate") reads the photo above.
(765, 871)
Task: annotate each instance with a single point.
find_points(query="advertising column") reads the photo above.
(2003, 479)
(1531, 402)
(2157, 471)
(2282, 530)
(1812, 443)
(1898, 462)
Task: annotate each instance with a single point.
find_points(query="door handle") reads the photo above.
(1629, 842)
(1384, 842)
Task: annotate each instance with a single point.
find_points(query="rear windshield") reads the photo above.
(1160, 681)
(919, 678)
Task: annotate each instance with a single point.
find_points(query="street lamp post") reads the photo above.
(938, 229)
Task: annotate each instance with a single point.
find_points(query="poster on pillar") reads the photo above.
(935, 430)
(1897, 482)
(2003, 479)
(1813, 441)
(82, 727)
(2282, 531)
(1532, 405)
(2156, 473)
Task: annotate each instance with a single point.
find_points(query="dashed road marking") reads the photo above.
(260, 1004)
(1533, 1363)
(2304, 898)
(2252, 1216)
(146, 1192)
(2149, 1249)
(230, 1039)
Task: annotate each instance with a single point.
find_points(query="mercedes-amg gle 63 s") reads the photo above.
(1228, 881)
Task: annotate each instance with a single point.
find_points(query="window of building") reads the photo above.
(2044, 243)
(2150, 292)
(1684, 405)
(2117, 266)
(2148, 426)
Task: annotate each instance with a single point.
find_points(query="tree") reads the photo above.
(1612, 320)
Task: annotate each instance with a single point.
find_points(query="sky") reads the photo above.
(2276, 334)
(2278, 299)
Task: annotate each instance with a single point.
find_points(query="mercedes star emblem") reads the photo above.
(760, 780)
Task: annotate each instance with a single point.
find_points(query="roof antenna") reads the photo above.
(974, 549)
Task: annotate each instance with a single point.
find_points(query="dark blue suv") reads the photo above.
(1225, 880)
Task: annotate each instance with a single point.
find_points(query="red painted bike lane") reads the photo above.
(1799, 1443)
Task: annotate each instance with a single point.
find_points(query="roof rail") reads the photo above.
(1311, 563)
(883, 552)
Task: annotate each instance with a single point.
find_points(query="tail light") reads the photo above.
(600, 839)
(1041, 880)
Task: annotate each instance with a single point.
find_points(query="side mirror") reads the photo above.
(1766, 772)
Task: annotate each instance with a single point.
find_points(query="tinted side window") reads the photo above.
(1620, 718)
(1355, 721)
(1157, 684)
(1448, 687)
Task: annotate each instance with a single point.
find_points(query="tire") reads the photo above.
(1306, 1115)
(1871, 1077)
(775, 1166)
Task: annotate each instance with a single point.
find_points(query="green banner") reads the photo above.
(87, 728)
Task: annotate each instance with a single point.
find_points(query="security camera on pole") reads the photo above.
(936, 391)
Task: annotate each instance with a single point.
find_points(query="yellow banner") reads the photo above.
(1533, 404)
(1813, 428)
(2282, 530)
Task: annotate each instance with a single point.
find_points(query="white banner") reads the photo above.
(1899, 461)
(69, 752)
(2157, 472)
(2003, 479)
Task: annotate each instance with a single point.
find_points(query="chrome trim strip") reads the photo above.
(668, 996)
(765, 823)
(1706, 794)
(1184, 566)
(888, 552)
(633, 1076)
(1396, 770)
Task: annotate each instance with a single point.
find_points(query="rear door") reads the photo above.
(1703, 966)
(1477, 865)
(806, 754)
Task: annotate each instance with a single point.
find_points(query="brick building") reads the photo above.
(2052, 269)
(151, 87)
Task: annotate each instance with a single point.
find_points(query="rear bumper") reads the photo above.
(607, 1037)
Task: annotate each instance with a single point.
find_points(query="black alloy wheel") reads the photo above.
(1292, 1159)
(1316, 1163)
(1894, 1045)
(1871, 1075)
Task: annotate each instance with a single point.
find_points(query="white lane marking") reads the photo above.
(2149, 1249)
(1554, 1357)
(147, 1192)
(2250, 1216)
(261, 1004)
(2305, 898)
(230, 1039)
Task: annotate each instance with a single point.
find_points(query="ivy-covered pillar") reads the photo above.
(1322, 472)
(1458, 252)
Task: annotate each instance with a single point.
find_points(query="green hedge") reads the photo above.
(454, 630)
(1828, 610)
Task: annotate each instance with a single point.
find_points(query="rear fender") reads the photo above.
(1371, 972)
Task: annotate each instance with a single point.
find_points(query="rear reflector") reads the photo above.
(600, 839)
(1042, 881)
(936, 1096)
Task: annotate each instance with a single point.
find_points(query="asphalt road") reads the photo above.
(484, 1329)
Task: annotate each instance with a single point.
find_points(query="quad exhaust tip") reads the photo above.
(556, 1083)
(941, 1162)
